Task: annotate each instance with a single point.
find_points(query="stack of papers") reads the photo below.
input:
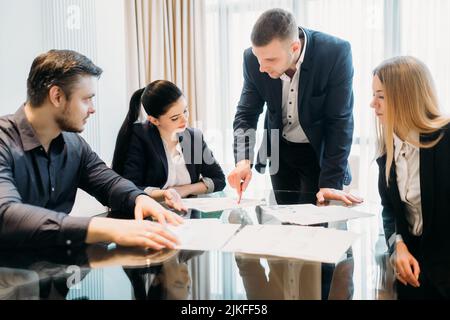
(308, 214)
(306, 243)
(217, 204)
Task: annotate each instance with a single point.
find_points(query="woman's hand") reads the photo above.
(406, 267)
(183, 191)
(147, 207)
(173, 199)
(191, 189)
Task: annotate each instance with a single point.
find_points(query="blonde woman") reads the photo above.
(414, 176)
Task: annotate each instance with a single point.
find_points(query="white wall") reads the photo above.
(30, 27)
(23, 36)
(112, 97)
(20, 42)
(111, 56)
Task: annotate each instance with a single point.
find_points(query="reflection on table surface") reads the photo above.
(108, 272)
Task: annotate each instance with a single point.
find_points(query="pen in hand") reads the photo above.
(239, 192)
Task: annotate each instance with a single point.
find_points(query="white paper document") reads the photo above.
(308, 214)
(217, 204)
(203, 234)
(307, 243)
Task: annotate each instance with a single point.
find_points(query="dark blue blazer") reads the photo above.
(325, 106)
(435, 196)
(146, 162)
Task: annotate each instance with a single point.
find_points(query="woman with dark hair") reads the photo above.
(162, 156)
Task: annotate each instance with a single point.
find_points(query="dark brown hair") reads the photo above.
(60, 68)
(156, 98)
(274, 24)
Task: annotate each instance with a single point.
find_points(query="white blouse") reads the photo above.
(407, 166)
(178, 174)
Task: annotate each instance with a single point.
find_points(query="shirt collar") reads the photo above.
(399, 144)
(27, 134)
(178, 148)
(284, 76)
(26, 131)
(302, 56)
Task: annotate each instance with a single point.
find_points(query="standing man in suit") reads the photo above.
(305, 79)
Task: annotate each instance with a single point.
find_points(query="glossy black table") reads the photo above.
(105, 271)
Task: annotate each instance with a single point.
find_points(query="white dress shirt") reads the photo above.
(177, 173)
(407, 167)
(292, 130)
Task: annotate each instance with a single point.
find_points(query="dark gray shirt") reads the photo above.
(38, 189)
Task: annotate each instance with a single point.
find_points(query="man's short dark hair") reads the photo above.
(60, 68)
(274, 24)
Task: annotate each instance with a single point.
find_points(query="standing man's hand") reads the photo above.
(334, 194)
(147, 207)
(240, 177)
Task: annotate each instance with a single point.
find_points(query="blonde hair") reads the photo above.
(411, 105)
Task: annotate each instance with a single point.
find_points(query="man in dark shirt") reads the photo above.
(43, 161)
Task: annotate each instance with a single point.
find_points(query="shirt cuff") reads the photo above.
(74, 230)
(209, 184)
(132, 199)
(398, 238)
(391, 239)
(149, 190)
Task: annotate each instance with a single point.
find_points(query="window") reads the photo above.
(376, 29)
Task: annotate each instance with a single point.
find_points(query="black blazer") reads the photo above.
(435, 196)
(325, 106)
(146, 162)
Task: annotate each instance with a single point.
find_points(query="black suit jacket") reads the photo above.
(146, 162)
(435, 196)
(325, 106)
